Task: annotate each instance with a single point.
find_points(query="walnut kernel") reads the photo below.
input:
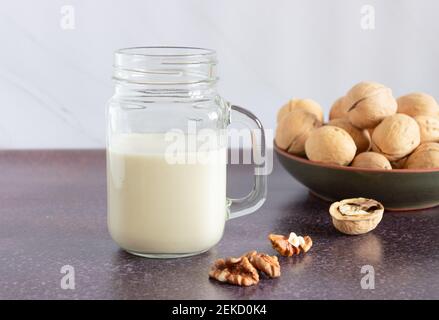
(288, 246)
(237, 271)
(264, 263)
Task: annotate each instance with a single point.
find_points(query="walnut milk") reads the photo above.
(167, 153)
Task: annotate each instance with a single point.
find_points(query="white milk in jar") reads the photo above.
(158, 206)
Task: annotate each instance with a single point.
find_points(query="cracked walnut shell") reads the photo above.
(294, 129)
(288, 246)
(418, 104)
(426, 156)
(369, 103)
(396, 136)
(308, 105)
(330, 144)
(237, 271)
(356, 216)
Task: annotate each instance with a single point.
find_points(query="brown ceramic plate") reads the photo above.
(398, 189)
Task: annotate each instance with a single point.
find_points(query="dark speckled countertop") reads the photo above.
(53, 213)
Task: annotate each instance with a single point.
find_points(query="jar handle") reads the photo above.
(255, 199)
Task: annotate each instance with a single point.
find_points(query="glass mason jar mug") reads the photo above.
(167, 153)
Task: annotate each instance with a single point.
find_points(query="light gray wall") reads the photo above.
(54, 83)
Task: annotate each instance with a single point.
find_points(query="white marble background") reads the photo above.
(54, 83)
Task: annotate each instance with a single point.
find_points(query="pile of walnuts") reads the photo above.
(244, 270)
(367, 128)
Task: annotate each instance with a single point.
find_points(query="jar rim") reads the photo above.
(162, 65)
(166, 51)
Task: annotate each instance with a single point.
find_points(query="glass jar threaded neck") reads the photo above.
(165, 66)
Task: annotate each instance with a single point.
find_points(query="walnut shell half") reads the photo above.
(356, 216)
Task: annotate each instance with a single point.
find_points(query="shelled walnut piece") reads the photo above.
(264, 263)
(243, 271)
(238, 271)
(288, 246)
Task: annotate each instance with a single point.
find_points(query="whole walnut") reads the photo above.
(399, 164)
(396, 136)
(371, 160)
(304, 104)
(361, 137)
(418, 104)
(330, 144)
(429, 127)
(293, 130)
(339, 109)
(426, 156)
(369, 103)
